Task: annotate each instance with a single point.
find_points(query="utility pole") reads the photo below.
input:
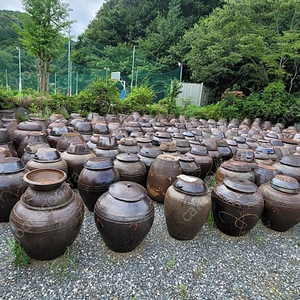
(69, 66)
(132, 69)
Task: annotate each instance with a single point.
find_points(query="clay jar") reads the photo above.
(124, 215)
(186, 206)
(76, 155)
(31, 149)
(236, 206)
(264, 173)
(47, 158)
(107, 145)
(131, 168)
(67, 138)
(148, 154)
(234, 168)
(189, 166)
(49, 215)
(289, 165)
(162, 173)
(95, 179)
(12, 185)
(282, 203)
(128, 145)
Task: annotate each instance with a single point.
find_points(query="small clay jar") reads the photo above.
(124, 215)
(76, 155)
(189, 166)
(131, 168)
(95, 179)
(289, 165)
(49, 215)
(186, 206)
(47, 158)
(162, 173)
(281, 202)
(12, 185)
(234, 168)
(237, 206)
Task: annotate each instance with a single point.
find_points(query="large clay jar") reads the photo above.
(131, 168)
(124, 215)
(264, 173)
(49, 215)
(148, 154)
(282, 202)
(12, 185)
(237, 206)
(189, 166)
(67, 138)
(162, 173)
(128, 145)
(186, 206)
(47, 158)
(234, 168)
(289, 165)
(95, 179)
(107, 145)
(76, 155)
(31, 149)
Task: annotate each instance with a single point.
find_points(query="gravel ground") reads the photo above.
(263, 264)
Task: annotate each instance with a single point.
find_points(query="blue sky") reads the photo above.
(84, 11)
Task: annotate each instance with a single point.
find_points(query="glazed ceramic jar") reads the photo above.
(124, 215)
(237, 206)
(131, 168)
(49, 215)
(281, 202)
(128, 145)
(31, 137)
(95, 179)
(107, 145)
(47, 158)
(12, 185)
(162, 173)
(234, 168)
(67, 138)
(186, 206)
(189, 166)
(76, 155)
(264, 173)
(289, 165)
(148, 154)
(31, 149)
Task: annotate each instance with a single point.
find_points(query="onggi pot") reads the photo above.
(186, 206)
(236, 205)
(282, 202)
(49, 215)
(124, 215)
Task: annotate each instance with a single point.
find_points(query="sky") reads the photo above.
(83, 11)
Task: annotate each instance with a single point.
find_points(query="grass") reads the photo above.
(182, 291)
(18, 253)
(64, 265)
(171, 263)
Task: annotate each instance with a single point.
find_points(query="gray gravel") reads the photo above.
(263, 264)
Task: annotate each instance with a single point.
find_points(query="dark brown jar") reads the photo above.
(107, 145)
(187, 206)
(264, 173)
(55, 132)
(47, 158)
(124, 215)
(237, 206)
(234, 168)
(31, 149)
(162, 173)
(131, 168)
(201, 156)
(128, 145)
(67, 138)
(160, 137)
(6, 141)
(148, 154)
(289, 165)
(12, 185)
(189, 166)
(282, 203)
(224, 149)
(49, 215)
(95, 179)
(31, 137)
(76, 155)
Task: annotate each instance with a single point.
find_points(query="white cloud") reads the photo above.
(82, 11)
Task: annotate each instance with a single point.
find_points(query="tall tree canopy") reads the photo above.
(42, 33)
(247, 42)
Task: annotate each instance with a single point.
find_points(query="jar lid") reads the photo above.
(240, 185)
(46, 155)
(150, 151)
(286, 184)
(127, 191)
(190, 185)
(199, 150)
(184, 158)
(128, 141)
(127, 157)
(236, 165)
(99, 163)
(11, 165)
(267, 150)
(291, 160)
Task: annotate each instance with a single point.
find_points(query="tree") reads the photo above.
(250, 42)
(42, 33)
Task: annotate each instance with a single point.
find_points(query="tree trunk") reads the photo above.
(44, 75)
